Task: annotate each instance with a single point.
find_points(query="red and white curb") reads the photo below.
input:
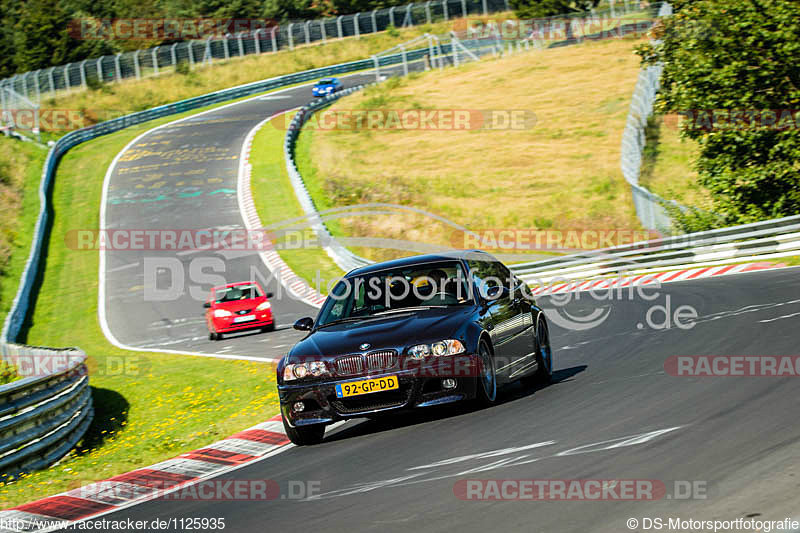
(564, 286)
(291, 281)
(55, 512)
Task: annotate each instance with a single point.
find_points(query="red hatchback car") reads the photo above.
(238, 307)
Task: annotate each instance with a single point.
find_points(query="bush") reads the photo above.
(726, 56)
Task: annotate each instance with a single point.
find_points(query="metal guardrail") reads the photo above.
(443, 54)
(22, 301)
(43, 415)
(344, 258)
(649, 206)
(724, 245)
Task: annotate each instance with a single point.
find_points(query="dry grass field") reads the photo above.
(112, 100)
(560, 173)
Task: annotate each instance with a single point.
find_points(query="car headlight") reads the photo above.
(263, 306)
(295, 371)
(437, 349)
(222, 313)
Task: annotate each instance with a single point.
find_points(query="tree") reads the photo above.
(527, 9)
(728, 65)
(40, 36)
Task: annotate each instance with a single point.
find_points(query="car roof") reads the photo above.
(328, 80)
(421, 259)
(235, 284)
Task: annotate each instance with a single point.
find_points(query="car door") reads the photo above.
(508, 324)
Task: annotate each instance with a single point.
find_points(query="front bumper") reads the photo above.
(226, 325)
(416, 389)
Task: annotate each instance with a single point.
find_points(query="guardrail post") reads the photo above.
(306, 32)
(82, 68)
(67, 84)
(241, 45)
(355, 25)
(290, 35)
(225, 46)
(408, 20)
(377, 68)
(98, 66)
(190, 49)
(118, 67)
(322, 32)
(136, 67)
(36, 86)
(374, 17)
(51, 80)
(391, 16)
(428, 11)
(405, 61)
(172, 55)
(257, 41)
(3, 107)
(454, 48)
(154, 55)
(463, 8)
(444, 8)
(25, 83)
(208, 53)
(339, 25)
(274, 39)
(485, 7)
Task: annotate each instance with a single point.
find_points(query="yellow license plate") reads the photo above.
(354, 388)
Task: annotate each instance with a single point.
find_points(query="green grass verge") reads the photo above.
(148, 406)
(276, 201)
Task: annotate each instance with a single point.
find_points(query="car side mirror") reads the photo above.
(304, 324)
(206, 305)
(270, 295)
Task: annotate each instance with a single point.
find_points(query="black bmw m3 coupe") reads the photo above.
(411, 333)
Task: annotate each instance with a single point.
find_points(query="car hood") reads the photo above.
(392, 331)
(238, 305)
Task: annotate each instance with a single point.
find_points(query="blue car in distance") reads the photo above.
(326, 86)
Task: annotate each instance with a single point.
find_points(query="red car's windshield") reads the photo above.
(237, 292)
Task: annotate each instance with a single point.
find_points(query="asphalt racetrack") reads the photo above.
(612, 413)
(184, 177)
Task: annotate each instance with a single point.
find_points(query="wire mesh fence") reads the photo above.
(649, 206)
(165, 58)
(18, 113)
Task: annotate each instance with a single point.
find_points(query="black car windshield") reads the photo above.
(411, 288)
(237, 292)
(326, 81)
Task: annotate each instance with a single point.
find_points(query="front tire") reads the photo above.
(487, 380)
(304, 435)
(544, 355)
